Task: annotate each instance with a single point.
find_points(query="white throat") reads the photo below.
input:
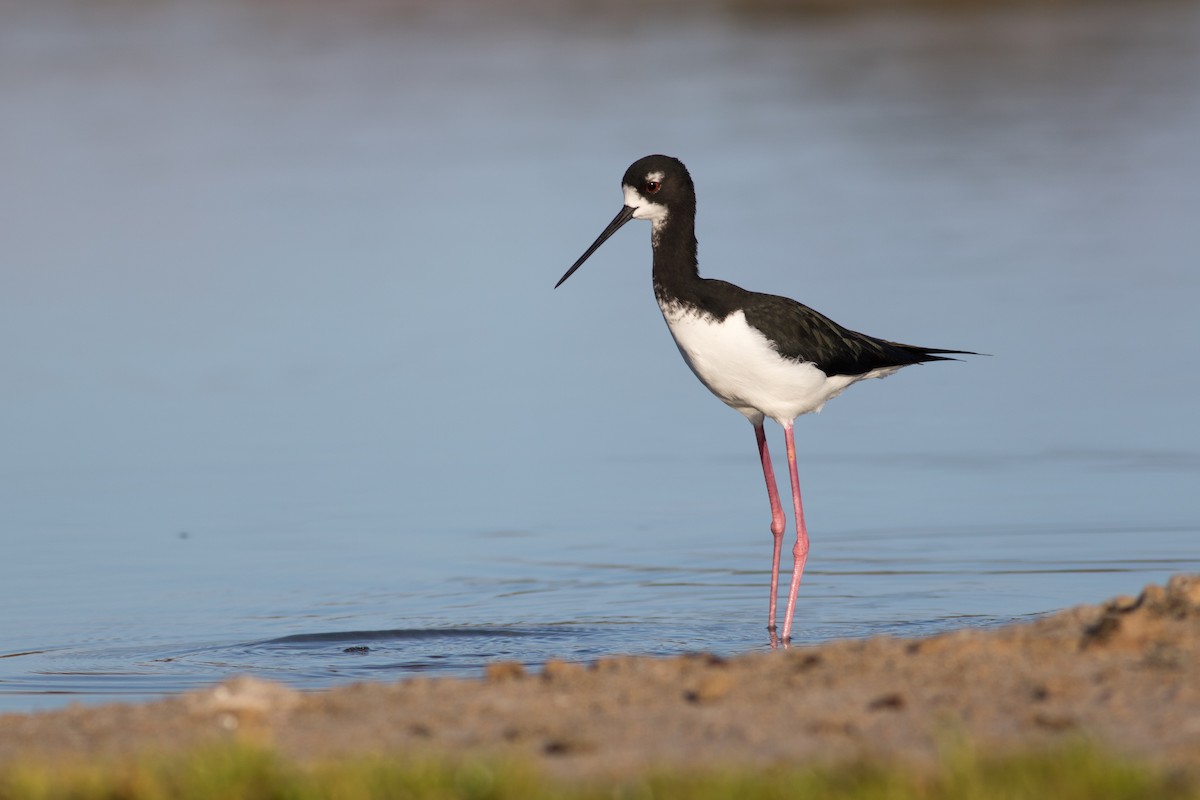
(643, 208)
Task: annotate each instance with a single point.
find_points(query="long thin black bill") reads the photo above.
(620, 219)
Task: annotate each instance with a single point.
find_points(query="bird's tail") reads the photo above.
(921, 354)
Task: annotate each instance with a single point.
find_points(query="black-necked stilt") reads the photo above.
(762, 355)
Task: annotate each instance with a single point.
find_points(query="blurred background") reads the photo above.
(284, 375)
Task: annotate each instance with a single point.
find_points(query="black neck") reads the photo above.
(676, 267)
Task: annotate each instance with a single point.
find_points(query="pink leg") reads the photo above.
(777, 519)
(800, 551)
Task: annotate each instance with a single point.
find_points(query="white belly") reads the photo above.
(739, 365)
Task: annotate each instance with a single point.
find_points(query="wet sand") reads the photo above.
(1123, 675)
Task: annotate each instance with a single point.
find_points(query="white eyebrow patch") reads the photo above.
(657, 175)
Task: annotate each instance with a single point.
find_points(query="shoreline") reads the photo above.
(1122, 675)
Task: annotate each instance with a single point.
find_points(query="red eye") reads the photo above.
(652, 187)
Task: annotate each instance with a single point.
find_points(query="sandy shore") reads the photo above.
(1124, 674)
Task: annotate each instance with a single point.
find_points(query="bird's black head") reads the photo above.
(656, 185)
(656, 188)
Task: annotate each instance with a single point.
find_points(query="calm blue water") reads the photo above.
(284, 375)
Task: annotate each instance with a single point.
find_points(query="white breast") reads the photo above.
(739, 365)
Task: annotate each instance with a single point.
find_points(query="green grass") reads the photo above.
(244, 773)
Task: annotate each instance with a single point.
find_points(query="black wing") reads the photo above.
(801, 333)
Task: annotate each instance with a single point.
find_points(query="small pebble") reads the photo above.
(555, 669)
(503, 671)
(711, 688)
